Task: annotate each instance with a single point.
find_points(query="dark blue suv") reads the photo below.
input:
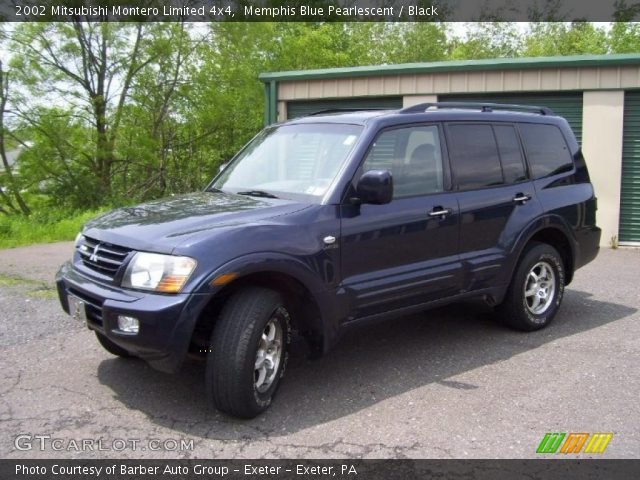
(331, 220)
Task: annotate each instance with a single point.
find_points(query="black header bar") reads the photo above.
(566, 469)
(319, 10)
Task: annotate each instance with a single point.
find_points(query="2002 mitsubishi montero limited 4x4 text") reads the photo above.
(330, 220)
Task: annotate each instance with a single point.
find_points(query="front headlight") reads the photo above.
(160, 273)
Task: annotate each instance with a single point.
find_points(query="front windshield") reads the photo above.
(296, 159)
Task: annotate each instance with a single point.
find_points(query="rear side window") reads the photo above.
(546, 149)
(510, 153)
(474, 156)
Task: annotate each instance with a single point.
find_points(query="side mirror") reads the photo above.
(223, 166)
(375, 186)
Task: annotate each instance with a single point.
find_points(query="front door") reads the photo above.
(403, 253)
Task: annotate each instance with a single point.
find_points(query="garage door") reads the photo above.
(630, 193)
(567, 105)
(307, 107)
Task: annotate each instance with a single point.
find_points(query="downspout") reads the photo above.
(267, 102)
(270, 102)
(273, 102)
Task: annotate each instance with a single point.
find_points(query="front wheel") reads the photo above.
(536, 290)
(248, 352)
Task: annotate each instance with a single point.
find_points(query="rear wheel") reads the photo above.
(249, 352)
(111, 347)
(536, 290)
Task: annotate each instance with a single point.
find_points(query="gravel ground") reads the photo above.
(448, 383)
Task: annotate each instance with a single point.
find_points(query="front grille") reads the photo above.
(104, 258)
(93, 307)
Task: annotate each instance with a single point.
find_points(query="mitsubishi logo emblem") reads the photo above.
(94, 255)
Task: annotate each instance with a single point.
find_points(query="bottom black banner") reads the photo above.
(318, 469)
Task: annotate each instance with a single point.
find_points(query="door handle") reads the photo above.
(521, 198)
(440, 212)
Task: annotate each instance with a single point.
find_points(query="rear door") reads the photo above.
(495, 196)
(403, 253)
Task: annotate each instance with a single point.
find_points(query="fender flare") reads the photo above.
(260, 262)
(550, 221)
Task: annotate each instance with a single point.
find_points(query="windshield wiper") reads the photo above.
(257, 193)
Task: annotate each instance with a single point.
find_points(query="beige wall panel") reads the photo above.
(360, 87)
(531, 80)
(286, 90)
(441, 83)
(589, 78)
(410, 100)
(602, 132)
(425, 83)
(494, 81)
(459, 82)
(408, 84)
(569, 79)
(513, 80)
(375, 86)
(330, 88)
(629, 77)
(391, 85)
(316, 88)
(345, 87)
(609, 78)
(476, 81)
(550, 79)
(282, 111)
(303, 91)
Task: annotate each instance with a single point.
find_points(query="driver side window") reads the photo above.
(414, 158)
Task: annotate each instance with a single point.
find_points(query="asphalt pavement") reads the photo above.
(449, 383)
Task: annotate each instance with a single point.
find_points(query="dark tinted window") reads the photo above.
(510, 153)
(546, 149)
(474, 156)
(413, 157)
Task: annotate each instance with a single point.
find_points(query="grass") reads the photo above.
(33, 288)
(41, 227)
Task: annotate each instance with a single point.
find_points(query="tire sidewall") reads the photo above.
(547, 254)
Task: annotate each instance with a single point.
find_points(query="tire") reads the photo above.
(111, 347)
(253, 329)
(532, 304)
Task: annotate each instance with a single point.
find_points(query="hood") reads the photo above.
(161, 225)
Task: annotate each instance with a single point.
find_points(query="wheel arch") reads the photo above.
(304, 295)
(552, 231)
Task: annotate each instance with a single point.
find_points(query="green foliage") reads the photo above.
(488, 40)
(117, 113)
(577, 38)
(44, 226)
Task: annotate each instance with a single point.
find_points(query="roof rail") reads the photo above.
(344, 110)
(483, 107)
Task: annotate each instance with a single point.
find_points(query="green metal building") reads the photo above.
(598, 94)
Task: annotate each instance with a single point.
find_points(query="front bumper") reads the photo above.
(166, 321)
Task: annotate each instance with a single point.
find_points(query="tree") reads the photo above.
(624, 36)
(9, 177)
(493, 39)
(556, 38)
(88, 66)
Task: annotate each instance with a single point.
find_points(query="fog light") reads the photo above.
(128, 324)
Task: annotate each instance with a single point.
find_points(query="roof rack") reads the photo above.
(483, 107)
(344, 110)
